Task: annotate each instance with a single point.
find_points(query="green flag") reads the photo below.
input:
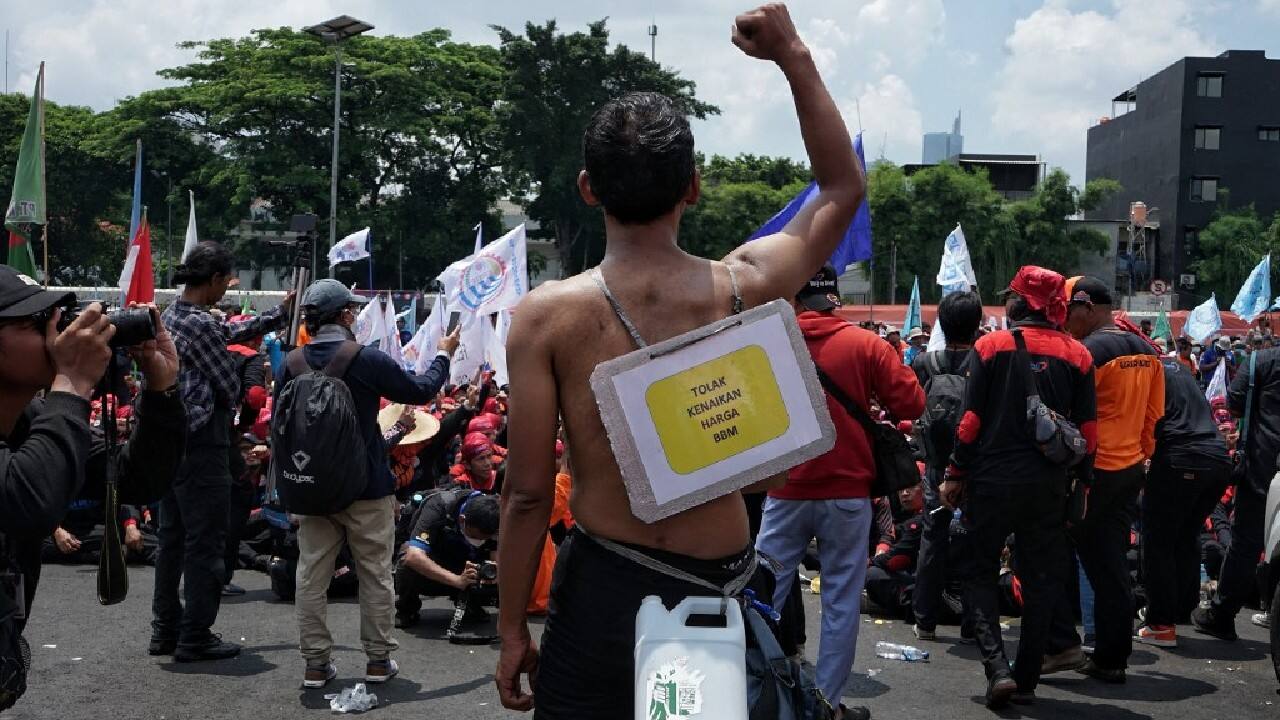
(1162, 328)
(26, 205)
(245, 308)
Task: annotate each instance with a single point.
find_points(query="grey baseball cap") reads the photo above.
(329, 295)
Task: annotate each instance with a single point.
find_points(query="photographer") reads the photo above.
(193, 515)
(48, 453)
(452, 535)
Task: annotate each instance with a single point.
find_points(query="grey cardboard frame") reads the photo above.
(639, 490)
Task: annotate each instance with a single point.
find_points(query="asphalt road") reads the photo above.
(91, 662)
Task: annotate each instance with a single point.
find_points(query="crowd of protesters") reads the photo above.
(1071, 469)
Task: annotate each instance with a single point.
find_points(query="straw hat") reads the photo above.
(425, 426)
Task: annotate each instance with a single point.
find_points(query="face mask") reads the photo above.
(474, 541)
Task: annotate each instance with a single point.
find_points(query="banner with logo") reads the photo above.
(494, 279)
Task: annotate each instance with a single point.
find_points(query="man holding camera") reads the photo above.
(452, 537)
(193, 515)
(48, 452)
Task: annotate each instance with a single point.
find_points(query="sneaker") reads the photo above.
(380, 671)
(1206, 623)
(475, 614)
(922, 634)
(317, 676)
(1142, 615)
(1262, 620)
(1093, 670)
(1090, 640)
(856, 712)
(1000, 689)
(162, 645)
(1165, 636)
(211, 649)
(1069, 659)
(232, 589)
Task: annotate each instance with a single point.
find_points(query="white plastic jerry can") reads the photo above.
(690, 671)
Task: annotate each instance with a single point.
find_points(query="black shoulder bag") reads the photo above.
(895, 460)
(15, 653)
(1058, 439)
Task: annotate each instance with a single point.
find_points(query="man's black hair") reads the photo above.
(207, 259)
(638, 153)
(482, 514)
(960, 314)
(314, 320)
(1021, 310)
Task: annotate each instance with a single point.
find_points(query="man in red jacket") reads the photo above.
(827, 498)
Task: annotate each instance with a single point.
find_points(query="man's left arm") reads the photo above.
(273, 319)
(1155, 409)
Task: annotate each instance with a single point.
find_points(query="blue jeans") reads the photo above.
(842, 528)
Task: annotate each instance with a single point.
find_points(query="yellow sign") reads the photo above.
(717, 409)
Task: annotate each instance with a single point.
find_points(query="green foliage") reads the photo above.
(917, 213)
(1230, 247)
(554, 84)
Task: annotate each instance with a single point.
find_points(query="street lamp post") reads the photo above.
(335, 31)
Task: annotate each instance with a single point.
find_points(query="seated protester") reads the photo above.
(432, 454)
(488, 424)
(454, 531)
(78, 539)
(1216, 537)
(890, 574)
(475, 465)
(881, 527)
(251, 456)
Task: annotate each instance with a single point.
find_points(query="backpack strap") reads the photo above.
(933, 361)
(341, 359)
(296, 363)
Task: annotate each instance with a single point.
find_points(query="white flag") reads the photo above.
(1218, 385)
(1204, 321)
(389, 343)
(370, 322)
(479, 239)
(504, 326)
(471, 353)
(496, 353)
(956, 271)
(426, 343)
(189, 243)
(496, 278)
(352, 247)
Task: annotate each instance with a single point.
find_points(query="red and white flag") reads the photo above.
(137, 279)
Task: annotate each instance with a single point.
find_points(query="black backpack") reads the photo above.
(318, 454)
(943, 406)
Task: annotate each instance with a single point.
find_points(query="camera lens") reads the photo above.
(133, 327)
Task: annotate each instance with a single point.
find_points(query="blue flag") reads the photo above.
(1203, 321)
(913, 320)
(856, 245)
(1255, 295)
(135, 212)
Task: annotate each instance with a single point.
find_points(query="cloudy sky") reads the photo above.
(1029, 75)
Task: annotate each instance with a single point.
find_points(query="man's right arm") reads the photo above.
(40, 478)
(779, 265)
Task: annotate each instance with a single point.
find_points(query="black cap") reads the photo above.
(20, 296)
(821, 293)
(1088, 289)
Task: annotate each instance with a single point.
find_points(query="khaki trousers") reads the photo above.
(368, 527)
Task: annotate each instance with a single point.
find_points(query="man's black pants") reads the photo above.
(240, 504)
(193, 528)
(1035, 513)
(1102, 545)
(1239, 570)
(931, 566)
(1175, 503)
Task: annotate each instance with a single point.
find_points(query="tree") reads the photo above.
(1230, 246)
(555, 82)
(738, 195)
(419, 141)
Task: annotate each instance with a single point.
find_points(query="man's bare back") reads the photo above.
(563, 330)
(665, 298)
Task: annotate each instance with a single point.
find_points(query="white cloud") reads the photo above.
(100, 51)
(1063, 67)
(892, 121)
(1269, 6)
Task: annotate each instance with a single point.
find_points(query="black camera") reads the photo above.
(133, 325)
(487, 572)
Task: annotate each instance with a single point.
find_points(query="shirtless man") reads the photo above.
(639, 167)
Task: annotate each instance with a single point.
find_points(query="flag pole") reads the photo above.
(44, 239)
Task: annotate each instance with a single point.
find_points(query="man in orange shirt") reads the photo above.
(1130, 389)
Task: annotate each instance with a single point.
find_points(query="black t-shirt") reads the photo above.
(1187, 436)
(436, 531)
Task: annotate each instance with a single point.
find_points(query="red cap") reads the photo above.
(1043, 289)
(475, 445)
(491, 406)
(482, 424)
